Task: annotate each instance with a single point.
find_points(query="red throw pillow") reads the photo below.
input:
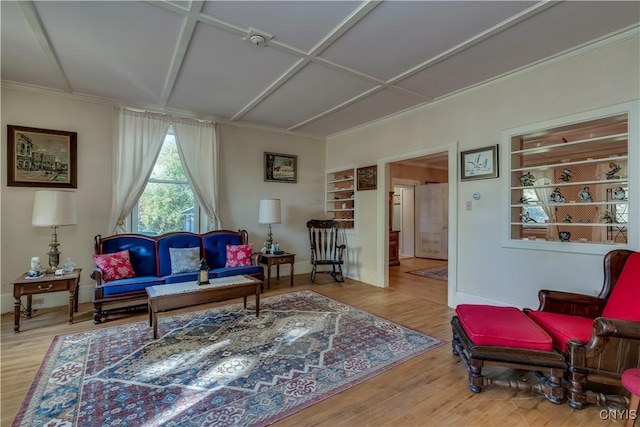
(238, 255)
(115, 266)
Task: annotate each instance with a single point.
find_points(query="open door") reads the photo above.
(431, 221)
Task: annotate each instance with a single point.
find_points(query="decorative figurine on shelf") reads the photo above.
(566, 175)
(608, 217)
(556, 196)
(203, 274)
(564, 236)
(615, 168)
(526, 217)
(619, 193)
(524, 200)
(527, 179)
(585, 195)
(275, 249)
(36, 269)
(567, 218)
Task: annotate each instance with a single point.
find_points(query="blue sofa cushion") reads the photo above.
(235, 271)
(142, 252)
(175, 240)
(215, 247)
(130, 285)
(181, 277)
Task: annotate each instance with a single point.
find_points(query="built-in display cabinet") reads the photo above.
(569, 184)
(340, 197)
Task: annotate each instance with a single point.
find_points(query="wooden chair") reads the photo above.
(598, 336)
(326, 248)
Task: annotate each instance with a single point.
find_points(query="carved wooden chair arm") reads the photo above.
(570, 303)
(626, 329)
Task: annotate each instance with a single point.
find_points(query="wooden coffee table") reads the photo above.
(186, 294)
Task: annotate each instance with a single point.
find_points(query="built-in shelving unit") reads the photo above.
(569, 183)
(340, 197)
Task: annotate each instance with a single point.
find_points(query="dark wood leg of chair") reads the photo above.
(313, 274)
(97, 313)
(553, 390)
(577, 381)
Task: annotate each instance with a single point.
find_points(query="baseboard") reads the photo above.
(463, 298)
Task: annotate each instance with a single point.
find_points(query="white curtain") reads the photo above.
(139, 139)
(546, 178)
(198, 150)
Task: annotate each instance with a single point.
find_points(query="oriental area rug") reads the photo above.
(218, 367)
(439, 273)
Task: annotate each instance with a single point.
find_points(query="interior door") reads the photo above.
(431, 219)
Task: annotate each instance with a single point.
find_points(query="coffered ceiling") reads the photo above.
(325, 66)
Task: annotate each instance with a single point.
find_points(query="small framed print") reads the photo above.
(367, 178)
(41, 157)
(481, 163)
(280, 167)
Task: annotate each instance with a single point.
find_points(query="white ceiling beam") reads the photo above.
(186, 33)
(33, 19)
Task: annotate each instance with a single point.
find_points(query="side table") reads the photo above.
(45, 284)
(277, 260)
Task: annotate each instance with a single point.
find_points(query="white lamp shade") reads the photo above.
(54, 208)
(269, 211)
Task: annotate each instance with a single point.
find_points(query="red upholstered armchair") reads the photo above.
(598, 336)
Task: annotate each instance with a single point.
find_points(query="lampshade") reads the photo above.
(52, 208)
(269, 211)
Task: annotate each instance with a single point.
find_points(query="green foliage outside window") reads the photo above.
(167, 203)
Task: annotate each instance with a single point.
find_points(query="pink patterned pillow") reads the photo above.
(115, 266)
(238, 255)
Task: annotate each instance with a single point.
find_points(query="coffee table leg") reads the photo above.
(291, 274)
(16, 315)
(155, 326)
(245, 301)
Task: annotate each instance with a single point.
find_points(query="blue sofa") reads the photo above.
(151, 262)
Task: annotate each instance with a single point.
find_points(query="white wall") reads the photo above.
(486, 271)
(241, 188)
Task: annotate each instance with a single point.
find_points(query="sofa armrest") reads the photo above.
(570, 303)
(96, 274)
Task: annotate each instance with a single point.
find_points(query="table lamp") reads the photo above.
(53, 209)
(269, 213)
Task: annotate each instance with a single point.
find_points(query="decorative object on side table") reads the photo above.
(480, 163)
(203, 273)
(280, 168)
(41, 157)
(367, 178)
(53, 209)
(269, 213)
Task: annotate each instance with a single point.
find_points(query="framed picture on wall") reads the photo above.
(41, 157)
(367, 178)
(480, 163)
(280, 167)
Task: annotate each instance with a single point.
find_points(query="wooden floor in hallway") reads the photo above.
(428, 390)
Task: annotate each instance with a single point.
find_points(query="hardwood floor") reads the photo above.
(429, 390)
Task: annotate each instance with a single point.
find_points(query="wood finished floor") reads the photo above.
(429, 390)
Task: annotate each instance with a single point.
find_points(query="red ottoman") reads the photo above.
(505, 336)
(631, 381)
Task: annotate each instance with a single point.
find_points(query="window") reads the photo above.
(168, 202)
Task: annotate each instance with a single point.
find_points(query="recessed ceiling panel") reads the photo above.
(222, 73)
(22, 57)
(398, 35)
(376, 106)
(119, 50)
(299, 98)
(554, 30)
(301, 24)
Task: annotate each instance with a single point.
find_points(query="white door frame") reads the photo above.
(383, 214)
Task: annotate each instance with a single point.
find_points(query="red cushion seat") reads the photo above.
(563, 327)
(488, 325)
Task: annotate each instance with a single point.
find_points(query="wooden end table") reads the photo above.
(45, 284)
(173, 296)
(277, 260)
